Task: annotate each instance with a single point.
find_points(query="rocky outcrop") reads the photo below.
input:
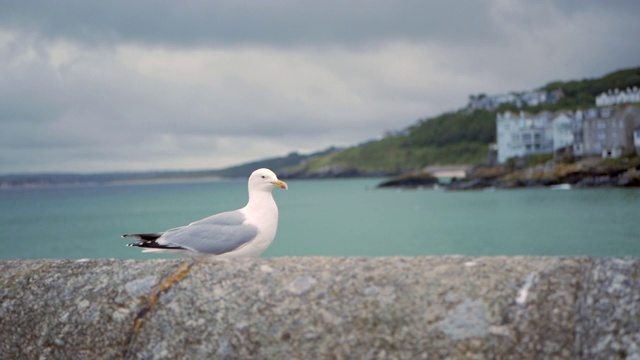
(411, 180)
(582, 174)
(322, 308)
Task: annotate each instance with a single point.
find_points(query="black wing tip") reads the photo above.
(153, 245)
(143, 237)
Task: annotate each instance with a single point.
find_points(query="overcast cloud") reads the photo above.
(123, 85)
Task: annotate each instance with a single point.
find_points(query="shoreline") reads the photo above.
(587, 173)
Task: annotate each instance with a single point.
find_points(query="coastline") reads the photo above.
(588, 173)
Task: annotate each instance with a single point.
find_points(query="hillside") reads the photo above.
(582, 93)
(452, 138)
(459, 137)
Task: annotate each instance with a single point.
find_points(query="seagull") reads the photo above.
(246, 232)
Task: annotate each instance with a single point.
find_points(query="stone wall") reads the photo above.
(322, 308)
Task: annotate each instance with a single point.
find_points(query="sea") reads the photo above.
(333, 217)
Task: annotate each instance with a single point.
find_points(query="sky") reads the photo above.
(100, 86)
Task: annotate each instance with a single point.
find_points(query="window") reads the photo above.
(601, 135)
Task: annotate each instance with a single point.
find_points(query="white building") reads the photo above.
(523, 134)
(614, 97)
(563, 131)
(530, 98)
(533, 98)
(598, 131)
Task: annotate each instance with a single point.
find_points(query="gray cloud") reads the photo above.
(145, 85)
(278, 22)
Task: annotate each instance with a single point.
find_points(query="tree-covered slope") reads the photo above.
(582, 93)
(451, 138)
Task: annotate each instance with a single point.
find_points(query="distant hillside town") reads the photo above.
(529, 98)
(609, 130)
(614, 97)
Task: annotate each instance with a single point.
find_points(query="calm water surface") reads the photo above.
(327, 217)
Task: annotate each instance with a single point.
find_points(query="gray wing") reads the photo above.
(208, 238)
(225, 218)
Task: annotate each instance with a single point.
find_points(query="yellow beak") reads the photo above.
(281, 184)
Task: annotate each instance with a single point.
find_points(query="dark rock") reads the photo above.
(580, 175)
(471, 184)
(412, 180)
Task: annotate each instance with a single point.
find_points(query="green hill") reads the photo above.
(582, 93)
(452, 138)
(459, 137)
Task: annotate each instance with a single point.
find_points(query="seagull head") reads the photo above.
(266, 180)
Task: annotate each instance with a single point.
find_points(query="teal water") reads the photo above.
(327, 218)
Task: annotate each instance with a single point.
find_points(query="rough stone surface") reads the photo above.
(322, 308)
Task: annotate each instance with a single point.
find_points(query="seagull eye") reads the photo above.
(264, 177)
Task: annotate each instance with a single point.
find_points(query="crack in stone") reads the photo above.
(152, 300)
